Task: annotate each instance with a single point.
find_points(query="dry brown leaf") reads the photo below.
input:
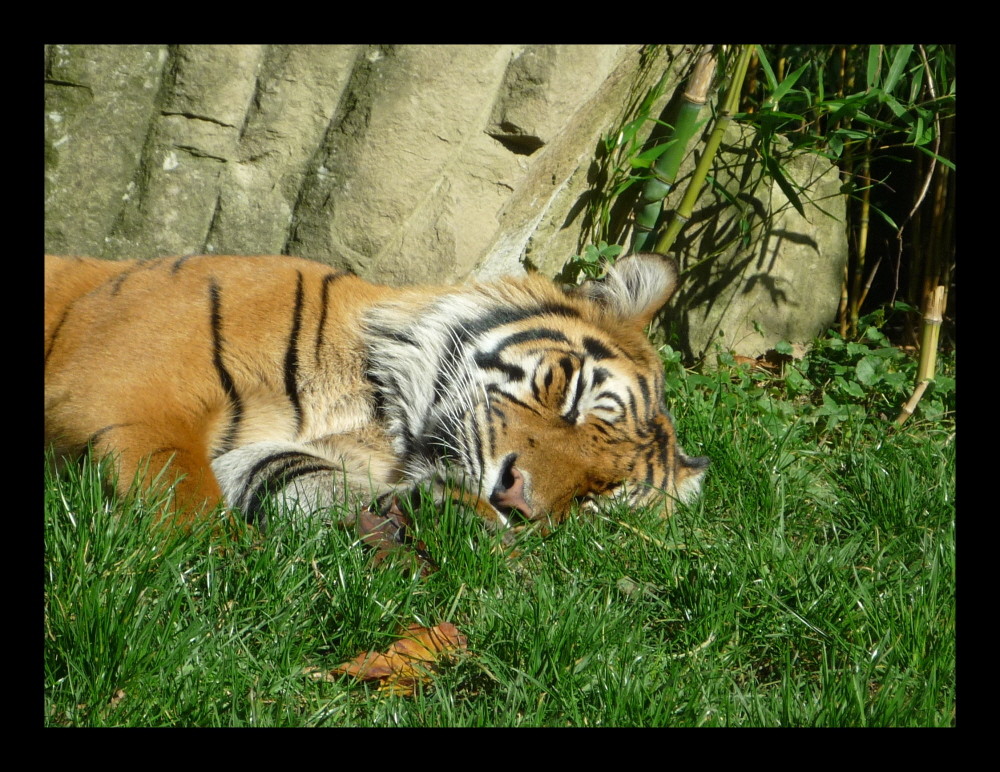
(768, 362)
(409, 661)
(387, 533)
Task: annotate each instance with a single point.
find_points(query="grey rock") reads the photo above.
(414, 163)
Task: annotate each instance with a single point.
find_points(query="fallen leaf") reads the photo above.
(387, 533)
(411, 660)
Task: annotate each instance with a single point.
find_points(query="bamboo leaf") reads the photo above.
(874, 63)
(645, 160)
(922, 133)
(772, 82)
(771, 114)
(916, 82)
(939, 158)
(786, 85)
(778, 175)
(898, 110)
(884, 216)
(846, 108)
(862, 116)
(851, 133)
(898, 65)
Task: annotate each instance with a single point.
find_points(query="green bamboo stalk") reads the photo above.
(729, 104)
(665, 168)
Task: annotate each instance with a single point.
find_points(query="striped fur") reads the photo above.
(240, 378)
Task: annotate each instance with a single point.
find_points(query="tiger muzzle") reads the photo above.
(508, 492)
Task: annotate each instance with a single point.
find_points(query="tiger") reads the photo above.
(234, 381)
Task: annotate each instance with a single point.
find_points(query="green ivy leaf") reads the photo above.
(854, 390)
(868, 370)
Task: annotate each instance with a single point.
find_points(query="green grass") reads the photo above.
(812, 585)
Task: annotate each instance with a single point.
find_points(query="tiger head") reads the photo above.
(533, 398)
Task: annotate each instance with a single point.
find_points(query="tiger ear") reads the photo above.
(635, 287)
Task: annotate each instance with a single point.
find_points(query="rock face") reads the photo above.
(761, 271)
(401, 163)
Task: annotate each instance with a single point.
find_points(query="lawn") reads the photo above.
(813, 584)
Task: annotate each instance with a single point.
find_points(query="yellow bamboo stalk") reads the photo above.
(863, 224)
(928, 351)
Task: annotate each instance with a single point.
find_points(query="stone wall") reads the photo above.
(401, 163)
(408, 163)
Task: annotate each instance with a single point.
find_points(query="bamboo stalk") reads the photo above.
(665, 168)
(928, 351)
(842, 306)
(731, 101)
(845, 83)
(863, 223)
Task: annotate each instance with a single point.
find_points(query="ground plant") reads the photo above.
(812, 585)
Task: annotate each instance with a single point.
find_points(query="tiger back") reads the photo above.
(239, 379)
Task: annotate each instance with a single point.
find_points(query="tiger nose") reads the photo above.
(508, 493)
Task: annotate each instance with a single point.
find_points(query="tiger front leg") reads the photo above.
(164, 460)
(303, 479)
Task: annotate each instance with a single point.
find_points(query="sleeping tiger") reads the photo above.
(239, 380)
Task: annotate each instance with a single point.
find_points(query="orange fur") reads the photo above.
(165, 365)
(129, 361)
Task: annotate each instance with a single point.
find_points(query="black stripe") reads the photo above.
(497, 390)
(273, 485)
(225, 379)
(566, 364)
(378, 393)
(55, 332)
(596, 425)
(651, 459)
(536, 392)
(275, 472)
(259, 467)
(409, 442)
(401, 337)
(179, 263)
(644, 388)
(493, 411)
(116, 283)
(460, 335)
(614, 398)
(597, 349)
(660, 445)
(324, 303)
(96, 436)
(574, 410)
(292, 357)
(539, 333)
(476, 438)
(633, 410)
(492, 361)
(503, 316)
(140, 265)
